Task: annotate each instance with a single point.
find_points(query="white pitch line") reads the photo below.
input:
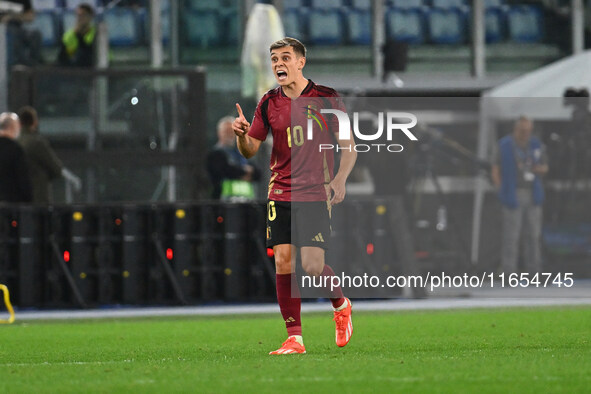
(47, 363)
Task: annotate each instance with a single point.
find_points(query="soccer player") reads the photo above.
(298, 220)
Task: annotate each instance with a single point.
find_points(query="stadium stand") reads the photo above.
(210, 5)
(123, 27)
(42, 5)
(361, 4)
(446, 26)
(295, 5)
(495, 22)
(325, 27)
(406, 25)
(72, 4)
(202, 29)
(446, 4)
(497, 4)
(230, 19)
(295, 24)
(45, 22)
(209, 30)
(327, 5)
(525, 24)
(68, 18)
(407, 4)
(358, 26)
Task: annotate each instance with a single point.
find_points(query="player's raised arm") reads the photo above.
(247, 145)
(348, 158)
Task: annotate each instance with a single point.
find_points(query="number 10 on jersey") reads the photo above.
(298, 136)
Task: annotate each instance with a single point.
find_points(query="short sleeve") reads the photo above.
(259, 127)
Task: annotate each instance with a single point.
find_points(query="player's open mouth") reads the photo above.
(281, 75)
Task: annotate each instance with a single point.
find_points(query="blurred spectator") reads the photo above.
(77, 46)
(44, 165)
(231, 175)
(15, 185)
(519, 163)
(24, 45)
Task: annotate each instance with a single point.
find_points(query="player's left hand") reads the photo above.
(337, 186)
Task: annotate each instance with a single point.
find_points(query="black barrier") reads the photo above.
(92, 255)
(134, 255)
(177, 254)
(9, 250)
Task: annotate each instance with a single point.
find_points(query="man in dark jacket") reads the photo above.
(230, 173)
(23, 43)
(44, 165)
(15, 185)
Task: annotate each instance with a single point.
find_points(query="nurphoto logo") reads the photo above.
(394, 122)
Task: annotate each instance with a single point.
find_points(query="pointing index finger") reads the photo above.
(240, 114)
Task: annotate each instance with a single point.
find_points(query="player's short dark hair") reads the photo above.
(28, 116)
(298, 47)
(86, 8)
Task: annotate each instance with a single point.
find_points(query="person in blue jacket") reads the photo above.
(520, 161)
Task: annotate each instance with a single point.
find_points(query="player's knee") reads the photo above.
(313, 266)
(283, 261)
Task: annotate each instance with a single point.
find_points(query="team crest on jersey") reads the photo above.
(312, 112)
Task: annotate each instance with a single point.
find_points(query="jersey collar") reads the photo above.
(306, 90)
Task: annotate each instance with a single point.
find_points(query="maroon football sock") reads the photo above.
(336, 294)
(289, 302)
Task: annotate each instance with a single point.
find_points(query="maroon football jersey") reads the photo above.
(300, 171)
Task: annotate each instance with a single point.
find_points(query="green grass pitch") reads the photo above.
(531, 350)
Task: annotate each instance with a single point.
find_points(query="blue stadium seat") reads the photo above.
(164, 5)
(202, 5)
(325, 27)
(405, 25)
(123, 27)
(68, 19)
(231, 20)
(361, 4)
(326, 5)
(295, 24)
(42, 5)
(446, 26)
(202, 29)
(298, 5)
(525, 24)
(407, 4)
(144, 18)
(165, 26)
(494, 3)
(359, 26)
(448, 4)
(494, 20)
(45, 22)
(72, 4)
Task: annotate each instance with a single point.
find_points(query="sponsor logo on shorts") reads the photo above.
(318, 238)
